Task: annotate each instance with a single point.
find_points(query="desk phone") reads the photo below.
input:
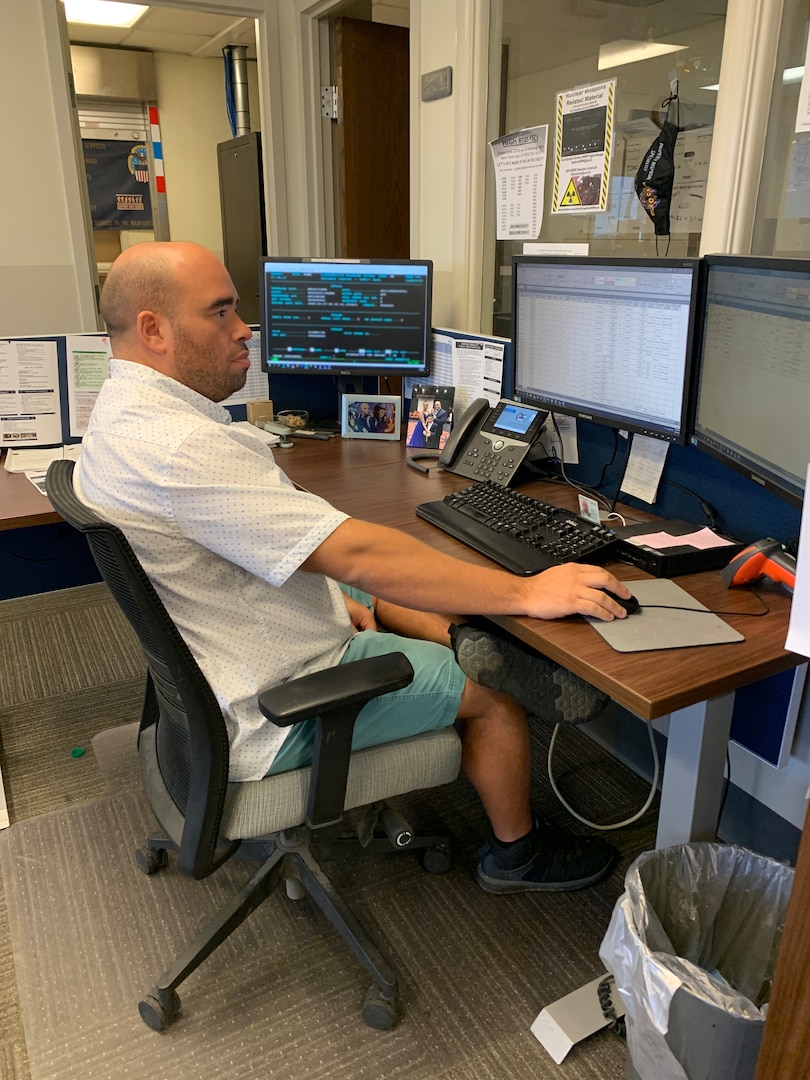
(490, 443)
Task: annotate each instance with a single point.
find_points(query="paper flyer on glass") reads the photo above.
(584, 137)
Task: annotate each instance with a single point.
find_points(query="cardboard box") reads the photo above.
(259, 410)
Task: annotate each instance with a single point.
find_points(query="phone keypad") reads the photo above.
(487, 465)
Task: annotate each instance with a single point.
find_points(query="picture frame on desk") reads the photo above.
(430, 416)
(374, 417)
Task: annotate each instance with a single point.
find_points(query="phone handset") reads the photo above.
(466, 426)
(491, 443)
(463, 429)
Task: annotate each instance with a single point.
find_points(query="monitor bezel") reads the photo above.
(347, 370)
(745, 466)
(608, 418)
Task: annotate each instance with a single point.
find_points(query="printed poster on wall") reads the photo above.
(520, 168)
(118, 184)
(584, 122)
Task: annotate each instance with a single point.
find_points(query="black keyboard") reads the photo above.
(521, 534)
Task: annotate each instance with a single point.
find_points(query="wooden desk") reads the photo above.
(695, 687)
(21, 504)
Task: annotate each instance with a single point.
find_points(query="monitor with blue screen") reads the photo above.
(345, 316)
(606, 339)
(753, 373)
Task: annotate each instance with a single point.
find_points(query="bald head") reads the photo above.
(146, 277)
(172, 307)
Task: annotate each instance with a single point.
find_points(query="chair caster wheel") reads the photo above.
(436, 860)
(379, 1012)
(157, 1015)
(151, 861)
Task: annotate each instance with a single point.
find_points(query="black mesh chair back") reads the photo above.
(180, 711)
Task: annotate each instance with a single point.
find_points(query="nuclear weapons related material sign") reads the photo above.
(584, 139)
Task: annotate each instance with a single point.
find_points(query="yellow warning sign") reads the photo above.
(571, 196)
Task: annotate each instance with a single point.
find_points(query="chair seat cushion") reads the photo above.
(258, 807)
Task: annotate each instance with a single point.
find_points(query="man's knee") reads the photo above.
(478, 702)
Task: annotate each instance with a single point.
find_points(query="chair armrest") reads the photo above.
(334, 697)
(334, 688)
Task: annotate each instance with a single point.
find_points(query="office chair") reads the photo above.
(279, 820)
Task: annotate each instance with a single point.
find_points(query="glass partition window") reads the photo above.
(782, 218)
(554, 47)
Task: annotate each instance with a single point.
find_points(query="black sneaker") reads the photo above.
(542, 686)
(547, 860)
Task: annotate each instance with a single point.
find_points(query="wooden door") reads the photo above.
(373, 139)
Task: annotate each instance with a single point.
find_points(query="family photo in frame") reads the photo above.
(377, 417)
(430, 416)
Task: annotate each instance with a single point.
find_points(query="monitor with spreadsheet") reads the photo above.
(753, 370)
(606, 339)
(345, 316)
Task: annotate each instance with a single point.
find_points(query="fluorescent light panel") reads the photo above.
(789, 75)
(103, 12)
(624, 51)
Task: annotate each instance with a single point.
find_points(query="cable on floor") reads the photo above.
(618, 824)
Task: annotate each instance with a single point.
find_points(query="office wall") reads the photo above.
(193, 119)
(449, 153)
(45, 277)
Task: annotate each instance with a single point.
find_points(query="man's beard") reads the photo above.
(200, 367)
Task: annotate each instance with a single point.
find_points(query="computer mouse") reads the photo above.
(630, 605)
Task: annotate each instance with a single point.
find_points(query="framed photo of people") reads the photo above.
(373, 417)
(430, 416)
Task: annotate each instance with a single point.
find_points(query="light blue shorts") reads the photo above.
(431, 701)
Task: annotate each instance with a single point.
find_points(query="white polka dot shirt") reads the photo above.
(221, 532)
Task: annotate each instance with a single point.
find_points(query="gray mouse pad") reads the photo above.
(661, 627)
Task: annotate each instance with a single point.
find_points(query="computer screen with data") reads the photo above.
(608, 340)
(345, 317)
(753, 370)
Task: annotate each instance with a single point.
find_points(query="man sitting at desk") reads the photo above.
(248, 566)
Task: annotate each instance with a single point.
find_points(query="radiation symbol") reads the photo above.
(571, 196)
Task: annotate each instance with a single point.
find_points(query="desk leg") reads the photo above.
(693, 773)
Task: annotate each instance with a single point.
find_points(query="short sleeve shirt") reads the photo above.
(221, 533)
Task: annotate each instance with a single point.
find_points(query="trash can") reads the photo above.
(692, 945)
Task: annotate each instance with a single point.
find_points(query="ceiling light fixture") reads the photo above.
(789, 75)
(103, 13)
(625, 51)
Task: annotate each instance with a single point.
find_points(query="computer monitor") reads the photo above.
(345, 316)
(606, 339)
(753, 370)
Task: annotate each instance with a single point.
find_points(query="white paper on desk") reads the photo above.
(702, 539)
(645, 464)
(798, 635)
(33, 460)
(38, 480)
(269, 438)
(30, 409)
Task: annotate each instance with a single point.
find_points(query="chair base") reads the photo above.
(289, 857)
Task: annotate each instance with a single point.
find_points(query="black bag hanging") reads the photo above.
(657, 170)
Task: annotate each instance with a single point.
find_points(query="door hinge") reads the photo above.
(329, 102)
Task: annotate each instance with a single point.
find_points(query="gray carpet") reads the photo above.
(89, 934)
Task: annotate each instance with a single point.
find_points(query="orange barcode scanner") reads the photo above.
(766, 558)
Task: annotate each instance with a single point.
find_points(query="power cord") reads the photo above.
(618, 824)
